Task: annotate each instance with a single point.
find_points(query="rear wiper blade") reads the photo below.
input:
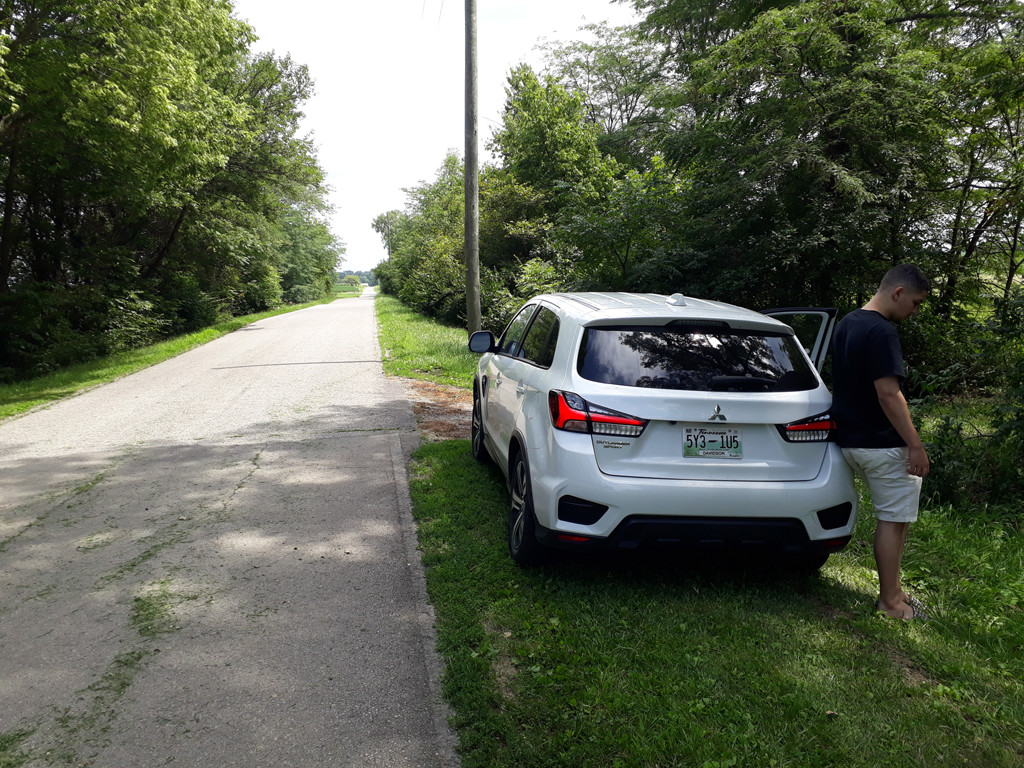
(742, 383)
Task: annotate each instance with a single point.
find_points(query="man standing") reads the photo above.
(873, 422)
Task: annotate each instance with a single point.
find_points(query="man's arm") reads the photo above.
(890, 397)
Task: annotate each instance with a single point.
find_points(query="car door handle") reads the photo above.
(497, 380)
(521, 389)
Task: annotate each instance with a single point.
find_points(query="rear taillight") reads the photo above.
(572, 413)
(817, 429)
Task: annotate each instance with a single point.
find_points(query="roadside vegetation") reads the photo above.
(347, 290)
(154, 178)
(768, 155)
(418, 347)
(619, 663)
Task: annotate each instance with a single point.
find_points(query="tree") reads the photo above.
(425, 269)
(513, 225)
(386, 225)
(546, 142)
(985, 198)
(693, 28)
(148, 166)
(828, 139)
(631, 224)
(816, 136)
(112, 109)
(620, 76)
(309, 255)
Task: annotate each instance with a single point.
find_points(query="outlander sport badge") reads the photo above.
(717, 415)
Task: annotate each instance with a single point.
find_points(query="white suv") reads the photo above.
(632, 420)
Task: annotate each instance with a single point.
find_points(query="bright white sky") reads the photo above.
(390, 85)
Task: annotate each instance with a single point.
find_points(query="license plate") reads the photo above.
(712, 443)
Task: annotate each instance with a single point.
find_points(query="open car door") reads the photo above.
(813, 327)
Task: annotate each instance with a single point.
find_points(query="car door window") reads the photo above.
(813, 327)
(512, 339)
(539, 344)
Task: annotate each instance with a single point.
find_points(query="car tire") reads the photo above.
(810, 562)
(522, 531)
(476, 432)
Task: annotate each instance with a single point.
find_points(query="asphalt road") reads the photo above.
(212, 562)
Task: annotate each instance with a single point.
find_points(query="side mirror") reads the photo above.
(481, 341)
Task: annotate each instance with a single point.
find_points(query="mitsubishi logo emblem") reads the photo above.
(717, 415)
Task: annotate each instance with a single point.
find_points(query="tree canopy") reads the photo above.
(767, 152)
(770, 153)
(151, 172)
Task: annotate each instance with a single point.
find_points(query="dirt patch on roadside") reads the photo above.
(442, 412)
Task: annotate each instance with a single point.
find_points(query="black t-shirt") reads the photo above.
(865, 348)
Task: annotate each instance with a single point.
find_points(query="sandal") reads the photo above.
(918, 608)
(916, 611)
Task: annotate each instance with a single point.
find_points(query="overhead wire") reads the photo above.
(423, 12)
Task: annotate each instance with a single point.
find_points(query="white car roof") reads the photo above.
(653, 308)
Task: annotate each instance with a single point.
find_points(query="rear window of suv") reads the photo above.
(694, 358)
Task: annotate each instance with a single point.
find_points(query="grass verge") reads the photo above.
(24, 395)
(619, 663)
(417, 347)
(663, 662)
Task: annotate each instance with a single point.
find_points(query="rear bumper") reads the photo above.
(753, 536)
(811, 516)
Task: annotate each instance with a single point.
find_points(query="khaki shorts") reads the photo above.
(894, 492)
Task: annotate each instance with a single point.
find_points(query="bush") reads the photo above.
(300, 294)
(44, 328)
(1008, 414)
(497, 303)
(261, 289)
(952, 356)
(131, 323)
(184, 305)
(437, 288)
(389, 276)
(978, 465)
(972, 468)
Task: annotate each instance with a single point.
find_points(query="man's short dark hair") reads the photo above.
(907, 275)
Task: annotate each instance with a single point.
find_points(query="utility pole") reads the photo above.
(472, 229)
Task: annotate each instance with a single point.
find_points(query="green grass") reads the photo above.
(346, 290)
(10, 754)
(419, 348)
(24, 395)
(659, 662)
(620, 663)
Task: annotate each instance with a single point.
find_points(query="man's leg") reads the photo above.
(890, 539)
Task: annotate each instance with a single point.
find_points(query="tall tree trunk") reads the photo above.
(7, 227)
(158, 257)
(944, 304)
(959, 264)
(1014, 264)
